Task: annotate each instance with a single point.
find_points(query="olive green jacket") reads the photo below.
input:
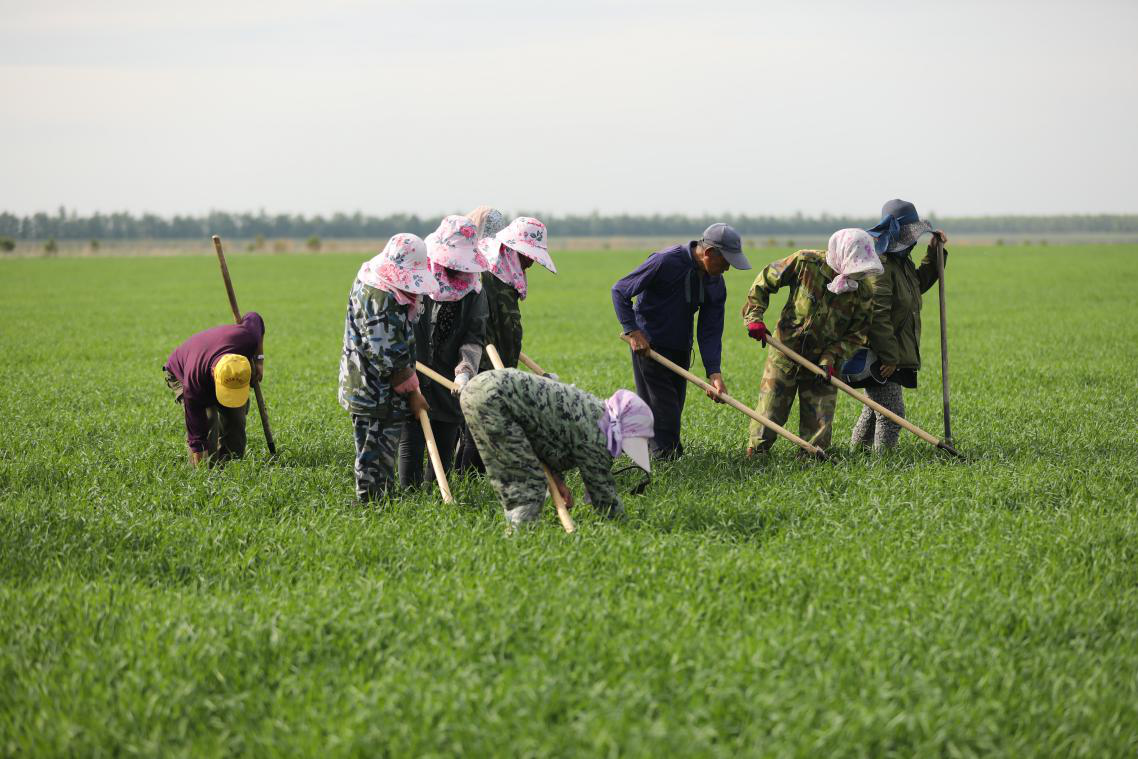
(823, 326)
(895, 335)
(504, 325)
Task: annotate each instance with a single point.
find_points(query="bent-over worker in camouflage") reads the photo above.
(378, 383)
(520, 421)
(826, 318)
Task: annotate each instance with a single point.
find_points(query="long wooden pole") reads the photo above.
(939, 245)
(436, 460)
(533, 367)
(554, 491)
(262, 410)
(861, 397)
(734, 403)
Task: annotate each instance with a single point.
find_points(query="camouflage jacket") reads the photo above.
(504, 327)
(560, 422)
(895, 335)
(378, 341)
(823, 326)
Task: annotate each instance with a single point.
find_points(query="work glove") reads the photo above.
(758, 331)
(552, 376)
(824, 379)
(460, 381)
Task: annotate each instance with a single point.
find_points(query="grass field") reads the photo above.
(870, 606)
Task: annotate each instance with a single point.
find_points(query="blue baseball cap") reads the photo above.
(726, 240)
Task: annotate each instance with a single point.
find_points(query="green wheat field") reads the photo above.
(897, 605)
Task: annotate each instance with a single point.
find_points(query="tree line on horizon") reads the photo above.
(65, 225)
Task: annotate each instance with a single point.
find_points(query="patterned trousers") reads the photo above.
(376, 440)
(874, 428)
(782, 380)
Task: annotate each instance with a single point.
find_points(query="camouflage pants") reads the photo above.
(376, 440)
(512, 466)
(781, 381)
(872, 427)
(226, 439)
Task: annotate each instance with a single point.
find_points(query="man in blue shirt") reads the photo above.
(670, 287)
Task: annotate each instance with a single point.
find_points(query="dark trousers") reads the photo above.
(664, 391)
(226, 439)
(413, 466)
(467, 456)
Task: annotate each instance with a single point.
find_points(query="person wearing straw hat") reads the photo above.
(209, 375)
(893, 355)
(826, 318)
(378, 383)
(670, 287)
(449, 336)
(510, 251)
(520, 421)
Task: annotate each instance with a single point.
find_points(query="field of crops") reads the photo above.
(900, 605)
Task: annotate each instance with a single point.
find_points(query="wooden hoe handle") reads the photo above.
(861, 397)
(262, 410)
(554, 492)
(733, 403)
(436, 460)
(533, 367)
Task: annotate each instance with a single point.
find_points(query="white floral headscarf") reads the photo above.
(851, 251)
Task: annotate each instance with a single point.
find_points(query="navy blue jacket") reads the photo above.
(671, 287)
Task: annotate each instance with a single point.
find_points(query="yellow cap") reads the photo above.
(231, 375)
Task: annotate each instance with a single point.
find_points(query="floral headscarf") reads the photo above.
(505, 265)
(454, 285)
(401, 269)
(851, 252)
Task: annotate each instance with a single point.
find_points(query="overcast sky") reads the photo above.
(697, 106)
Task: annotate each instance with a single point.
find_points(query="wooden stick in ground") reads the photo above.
(436, 460)
(861, 397)
(262, 410)
(554, 492)
(533, 367)
(939, 246)
(734, 403)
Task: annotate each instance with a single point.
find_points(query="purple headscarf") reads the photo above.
(626, 415)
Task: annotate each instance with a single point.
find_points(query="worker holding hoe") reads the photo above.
(826, 318)
(510, 251)
(378, 383)
(209, 374)
(670, 287)
(520, 421)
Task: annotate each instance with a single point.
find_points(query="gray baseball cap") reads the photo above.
(726, 240)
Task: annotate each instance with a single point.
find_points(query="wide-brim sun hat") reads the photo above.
(231, 377)
(528, 237)
(454, 245)
(403, 263)
(900, 227)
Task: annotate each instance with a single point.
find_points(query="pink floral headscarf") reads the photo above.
(401, 269)
(455, 259)
(505, 265)
(454, 285)
(851, 251)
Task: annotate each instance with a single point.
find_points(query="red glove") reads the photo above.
(758, 331)
(824, 379)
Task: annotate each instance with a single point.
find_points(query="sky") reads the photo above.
(298, 106)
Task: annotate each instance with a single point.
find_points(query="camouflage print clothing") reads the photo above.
(782, 380)
(378, 342)
(376, 440)
(519, 420)
(823, 326)
(504, 326)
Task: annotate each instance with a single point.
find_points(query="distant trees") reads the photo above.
(262, 226)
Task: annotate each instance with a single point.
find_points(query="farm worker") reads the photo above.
(510, 251)
(895, 334)
(826, 318)
(670, 287)
(209, 375)
(520, 421)
(449, 336)
(378, 383)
